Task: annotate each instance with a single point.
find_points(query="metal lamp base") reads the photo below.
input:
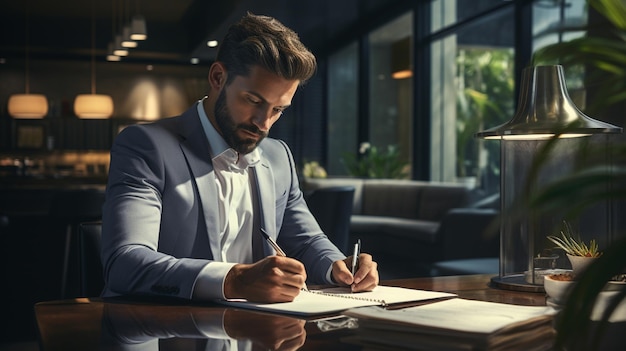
(515, 282)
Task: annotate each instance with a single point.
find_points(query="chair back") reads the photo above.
(332, 208)
(91, 280)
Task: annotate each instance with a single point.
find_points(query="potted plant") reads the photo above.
(578, 252)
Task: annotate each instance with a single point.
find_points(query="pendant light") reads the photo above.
(138, 26)
(93, 105)
(27, 105)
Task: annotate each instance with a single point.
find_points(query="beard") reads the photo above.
(229, 128)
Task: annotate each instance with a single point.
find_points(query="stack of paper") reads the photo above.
(456, 324)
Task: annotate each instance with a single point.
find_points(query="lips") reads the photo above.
(250, 134)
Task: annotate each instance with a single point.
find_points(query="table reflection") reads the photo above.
(150, 327)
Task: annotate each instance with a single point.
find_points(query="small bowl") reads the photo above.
(558, 286)
(614, 285)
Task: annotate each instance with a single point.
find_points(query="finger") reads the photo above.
(292, 272)
(365, 266)
(291, 265)
(341, 273)
(367, 277)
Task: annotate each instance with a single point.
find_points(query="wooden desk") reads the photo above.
(96, 324)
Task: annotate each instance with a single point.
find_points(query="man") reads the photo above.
(188, 197)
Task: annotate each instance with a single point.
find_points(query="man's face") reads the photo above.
(246, 109)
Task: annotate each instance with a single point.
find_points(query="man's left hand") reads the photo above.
(365, 278)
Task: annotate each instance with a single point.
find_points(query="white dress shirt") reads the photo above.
(233, 243)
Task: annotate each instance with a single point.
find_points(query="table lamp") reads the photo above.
(545, 111)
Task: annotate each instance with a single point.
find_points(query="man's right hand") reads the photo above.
(272, 279)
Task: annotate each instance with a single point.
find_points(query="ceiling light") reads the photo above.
(138, 28)
(93, 105)
(401, 59)
(127, 42)
(195, 60)
(90, 106)
(211, 43)
(27, 105)
(118, 49)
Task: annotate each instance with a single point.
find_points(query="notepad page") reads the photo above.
(333, 300)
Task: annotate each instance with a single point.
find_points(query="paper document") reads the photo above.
(336, 299)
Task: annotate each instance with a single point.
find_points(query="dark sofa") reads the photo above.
(416, 221)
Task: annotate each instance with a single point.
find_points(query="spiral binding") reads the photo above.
(352, 296)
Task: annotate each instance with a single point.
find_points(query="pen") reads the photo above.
(355, 256)
(274, 245)
(276, 248)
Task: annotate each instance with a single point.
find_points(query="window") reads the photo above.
(472, 88)
(343, 85)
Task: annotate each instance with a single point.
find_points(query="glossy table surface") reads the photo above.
(128, 324)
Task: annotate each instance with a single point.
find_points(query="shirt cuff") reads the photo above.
(329, 275)
(210, 281)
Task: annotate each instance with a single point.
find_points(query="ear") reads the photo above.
(217, 76)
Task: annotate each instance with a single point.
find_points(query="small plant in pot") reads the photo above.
(578, 252)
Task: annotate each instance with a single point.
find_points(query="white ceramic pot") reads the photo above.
(579, 263)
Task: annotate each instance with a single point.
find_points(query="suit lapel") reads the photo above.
(266, 200)
(195, 147)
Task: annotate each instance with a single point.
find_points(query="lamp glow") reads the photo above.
(93, 106)
(28, 106)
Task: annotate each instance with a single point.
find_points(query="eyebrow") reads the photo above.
(265, 101)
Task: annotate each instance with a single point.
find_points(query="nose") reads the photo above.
(263, 119)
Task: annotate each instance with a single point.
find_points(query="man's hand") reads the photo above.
(267, 331)
(366, 277)
(272, 279)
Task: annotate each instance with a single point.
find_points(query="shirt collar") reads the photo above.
(219, 147)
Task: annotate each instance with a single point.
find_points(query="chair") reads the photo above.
(70, 207)
(91, 280)
(332, 208)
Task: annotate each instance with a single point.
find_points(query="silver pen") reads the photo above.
(355, 256)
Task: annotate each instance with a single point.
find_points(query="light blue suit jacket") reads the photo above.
(161, 210)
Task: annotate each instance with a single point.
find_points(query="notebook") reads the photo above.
(457, 324)
(337, 299)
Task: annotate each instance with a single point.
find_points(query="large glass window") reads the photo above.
(472, 87)
(557, 22)
(391, 87)
(343, 90)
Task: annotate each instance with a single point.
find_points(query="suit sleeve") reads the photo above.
(300, 234)
(131, 261)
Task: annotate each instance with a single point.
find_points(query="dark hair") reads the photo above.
(264, 41)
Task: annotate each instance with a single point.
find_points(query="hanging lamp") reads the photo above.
(27, 105)
(138, 29)
(93, 105)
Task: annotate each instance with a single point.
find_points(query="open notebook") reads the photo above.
(336, 299)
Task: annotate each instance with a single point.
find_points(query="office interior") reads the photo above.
(450, 51)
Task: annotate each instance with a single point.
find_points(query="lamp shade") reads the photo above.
(127, 42)
(28, 106)
(401, 59)
(545, 109)
(138, 28)
(93, 106)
